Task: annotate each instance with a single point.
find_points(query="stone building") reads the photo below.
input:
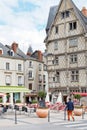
(66, 44)
(36, 76)
(21, 75)
(12, 61)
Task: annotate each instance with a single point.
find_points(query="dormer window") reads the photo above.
(1, 51)
(65, 14)
(11, 53)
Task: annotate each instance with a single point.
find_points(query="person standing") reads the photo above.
(70, 108)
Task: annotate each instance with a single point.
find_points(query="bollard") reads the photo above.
(49, 115)
(64, 114)
(82, 113)
(15, 115)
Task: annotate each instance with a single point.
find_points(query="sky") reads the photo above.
(24, 22)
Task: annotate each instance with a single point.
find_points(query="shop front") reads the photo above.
(13, 93)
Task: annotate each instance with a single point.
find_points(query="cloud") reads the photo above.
(24, 21)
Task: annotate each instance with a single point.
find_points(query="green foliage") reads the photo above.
(0, 100)
(77, 96)
(18, 101)
(41, 94)
(34, 101)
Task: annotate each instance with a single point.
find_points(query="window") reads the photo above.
(30, 64)
(19, 80)
(40, 87)
(44, 87)
(65, 14)
(55, 45)
(44, 78)
(19, 67)
(17, 96)
(73, 42)
(56, 29)
(30, 74)
(56, 60)
(45, 67)
(40, 78)
(30, 86)
(75, 75)
(11, 53)
(7, 66)
(72, 26)
(62, 15)
(54, 79)
(58, 76)
(40, 67)
(73, 58)
(8, 79)
(53, 61)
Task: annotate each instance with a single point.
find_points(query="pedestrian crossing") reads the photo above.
(78, 125)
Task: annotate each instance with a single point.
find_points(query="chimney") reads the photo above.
(28, 53)
(40, 57)
(14, 46)
(84, 11)
(0, 51)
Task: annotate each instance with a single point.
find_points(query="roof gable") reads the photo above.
(54, 10)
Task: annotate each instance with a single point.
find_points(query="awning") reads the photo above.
(82, 94)
(2, 94)
(13, 89)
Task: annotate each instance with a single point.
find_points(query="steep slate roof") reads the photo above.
(18, 54)
(6, 48)
(53, 11)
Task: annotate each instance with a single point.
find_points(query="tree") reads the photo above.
(77, 96)
(42, 95)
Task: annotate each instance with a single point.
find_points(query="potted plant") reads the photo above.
(77, 96)
(78, 110)
(42, 110)
(42, 95)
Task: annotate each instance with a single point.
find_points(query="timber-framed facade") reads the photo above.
(66, 44)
